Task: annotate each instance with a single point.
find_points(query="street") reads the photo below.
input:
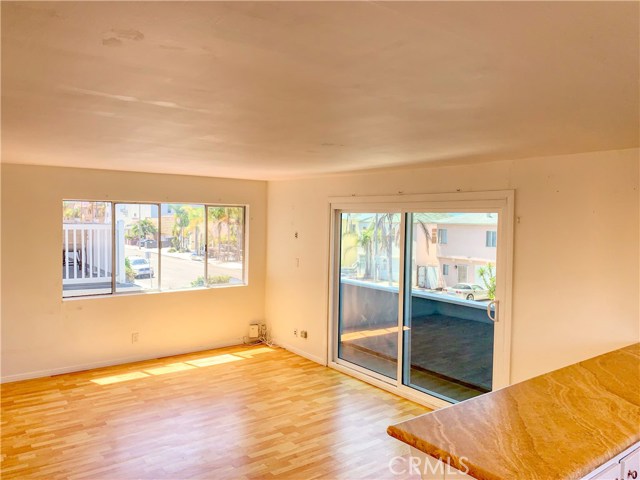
(179, 270)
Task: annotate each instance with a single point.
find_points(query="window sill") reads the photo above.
(149, 292)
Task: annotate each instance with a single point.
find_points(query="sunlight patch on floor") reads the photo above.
(119, 378)
(174, 367)
(346, 337)
(215, 360)
(182, 366)
(253, 351)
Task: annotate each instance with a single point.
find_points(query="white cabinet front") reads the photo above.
(631, 466)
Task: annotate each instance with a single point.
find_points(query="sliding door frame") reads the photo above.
(501, 201)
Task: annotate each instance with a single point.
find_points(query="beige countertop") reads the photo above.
(561, 425)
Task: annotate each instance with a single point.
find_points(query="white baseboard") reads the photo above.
(115, 361)
(302, 353)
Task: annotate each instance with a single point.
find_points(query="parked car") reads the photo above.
(468, 291)
(141, 267)
(147, 243)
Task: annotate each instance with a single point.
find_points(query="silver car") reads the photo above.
(468, 291)
(141, 267)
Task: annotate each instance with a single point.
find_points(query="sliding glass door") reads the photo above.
(415, 297)
(368, 297)
(449, 283)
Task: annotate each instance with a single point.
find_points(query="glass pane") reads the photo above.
(86, 248)
(182, 246)
(448, 339)
(369, 270)
(136, 247)
(226, 245)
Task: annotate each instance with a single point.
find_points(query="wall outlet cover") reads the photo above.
(254, 330)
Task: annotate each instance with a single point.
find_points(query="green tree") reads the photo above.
(71, 212)
(144, 228)
(217, 216)
(196, 225)
(181, 223)
(128, 271)
(365, 241)
(488, 276)
(212, 280)
(236, 216)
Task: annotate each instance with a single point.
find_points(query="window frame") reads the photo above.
(159, 290)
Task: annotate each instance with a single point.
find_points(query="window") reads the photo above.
(150, 247)
(434, 235)
(137, 254)
(226, 245)
(462, 273)
(86, 248)
(442, 236)
(492, 238)
(445, 269)
(183, 257)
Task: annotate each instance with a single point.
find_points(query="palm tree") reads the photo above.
(388, 236)
(217, 215)
(181, 224)
(365, 240)
(236, 215)
(427, 235)
(196, 223)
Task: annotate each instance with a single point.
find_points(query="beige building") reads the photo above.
(454, 249)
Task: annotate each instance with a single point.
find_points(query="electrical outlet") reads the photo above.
(303, 333)
(295, 332)
(134, 337)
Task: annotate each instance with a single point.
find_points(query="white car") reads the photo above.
(141, 267)
(468, 291)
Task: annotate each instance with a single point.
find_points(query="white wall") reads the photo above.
(42, 334)
(576, 284)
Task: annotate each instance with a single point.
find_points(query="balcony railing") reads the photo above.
(86, 253)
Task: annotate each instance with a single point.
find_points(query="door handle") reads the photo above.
(493, 303)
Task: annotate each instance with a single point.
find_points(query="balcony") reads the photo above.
(448, 340)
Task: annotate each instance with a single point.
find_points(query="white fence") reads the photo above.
(86, 253)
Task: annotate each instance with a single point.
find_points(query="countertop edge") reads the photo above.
(479, 473)
(440, 454)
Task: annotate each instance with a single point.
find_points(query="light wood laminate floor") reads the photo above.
(233, 413)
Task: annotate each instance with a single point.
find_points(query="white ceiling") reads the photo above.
(279, 90)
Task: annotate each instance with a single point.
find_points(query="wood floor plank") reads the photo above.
(234, 413)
